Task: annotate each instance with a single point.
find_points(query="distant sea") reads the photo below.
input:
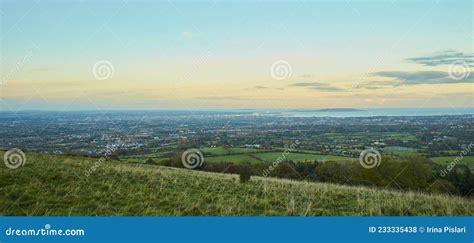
(371, 112)
(271, 112)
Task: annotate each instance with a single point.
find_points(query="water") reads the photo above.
(376, 112)
(262, 112)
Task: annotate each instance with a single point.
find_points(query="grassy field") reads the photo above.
(57, 185)
(253, 155)
(400, 136)
(224, 151)
(469, 160)
(240, 155)
(238, 158)
(271, 157)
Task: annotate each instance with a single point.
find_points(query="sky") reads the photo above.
(76, 55)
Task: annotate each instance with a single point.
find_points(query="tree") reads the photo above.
(245, 172)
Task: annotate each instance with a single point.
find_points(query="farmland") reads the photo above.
(466, 160)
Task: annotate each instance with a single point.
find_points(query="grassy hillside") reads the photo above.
(57, 185)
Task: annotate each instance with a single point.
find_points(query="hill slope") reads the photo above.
(57, 185)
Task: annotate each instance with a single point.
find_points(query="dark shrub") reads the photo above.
(232, 169)
(286, 170)
(334, 172)
(462, 178)
(170, 163)
(443, 187)
(245, 173)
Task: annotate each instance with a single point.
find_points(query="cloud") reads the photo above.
(264, 87)
(422, 77)
(444, 58)
(235, 98)
(219, 98)
(317, 86)
(378, 84)
(187, 34)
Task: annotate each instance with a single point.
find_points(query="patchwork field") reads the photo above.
(240, 155)
(231, 150)
(253, 155)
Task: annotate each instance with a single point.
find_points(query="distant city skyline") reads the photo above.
(105, 55)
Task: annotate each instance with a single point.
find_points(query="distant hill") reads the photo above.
(57, 185)
(338, 110)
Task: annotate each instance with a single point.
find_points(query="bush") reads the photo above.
(171, 163)
(232, 169)
(334, 172)
(443, 187)
(285, 170)
(245, 173)
(462, 178)
(150, 161)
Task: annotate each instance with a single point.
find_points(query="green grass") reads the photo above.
(400, 136)
(57, 185)
(273, 156)
(141, 159)
(469, 160)
(238, 158)
(400, 153)
(215, 151)
(229, 150)
(240, 155)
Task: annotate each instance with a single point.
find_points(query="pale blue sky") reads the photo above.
(154, 43)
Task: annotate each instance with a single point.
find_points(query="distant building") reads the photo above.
(252, 145)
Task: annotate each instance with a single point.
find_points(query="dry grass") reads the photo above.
(56, 185)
